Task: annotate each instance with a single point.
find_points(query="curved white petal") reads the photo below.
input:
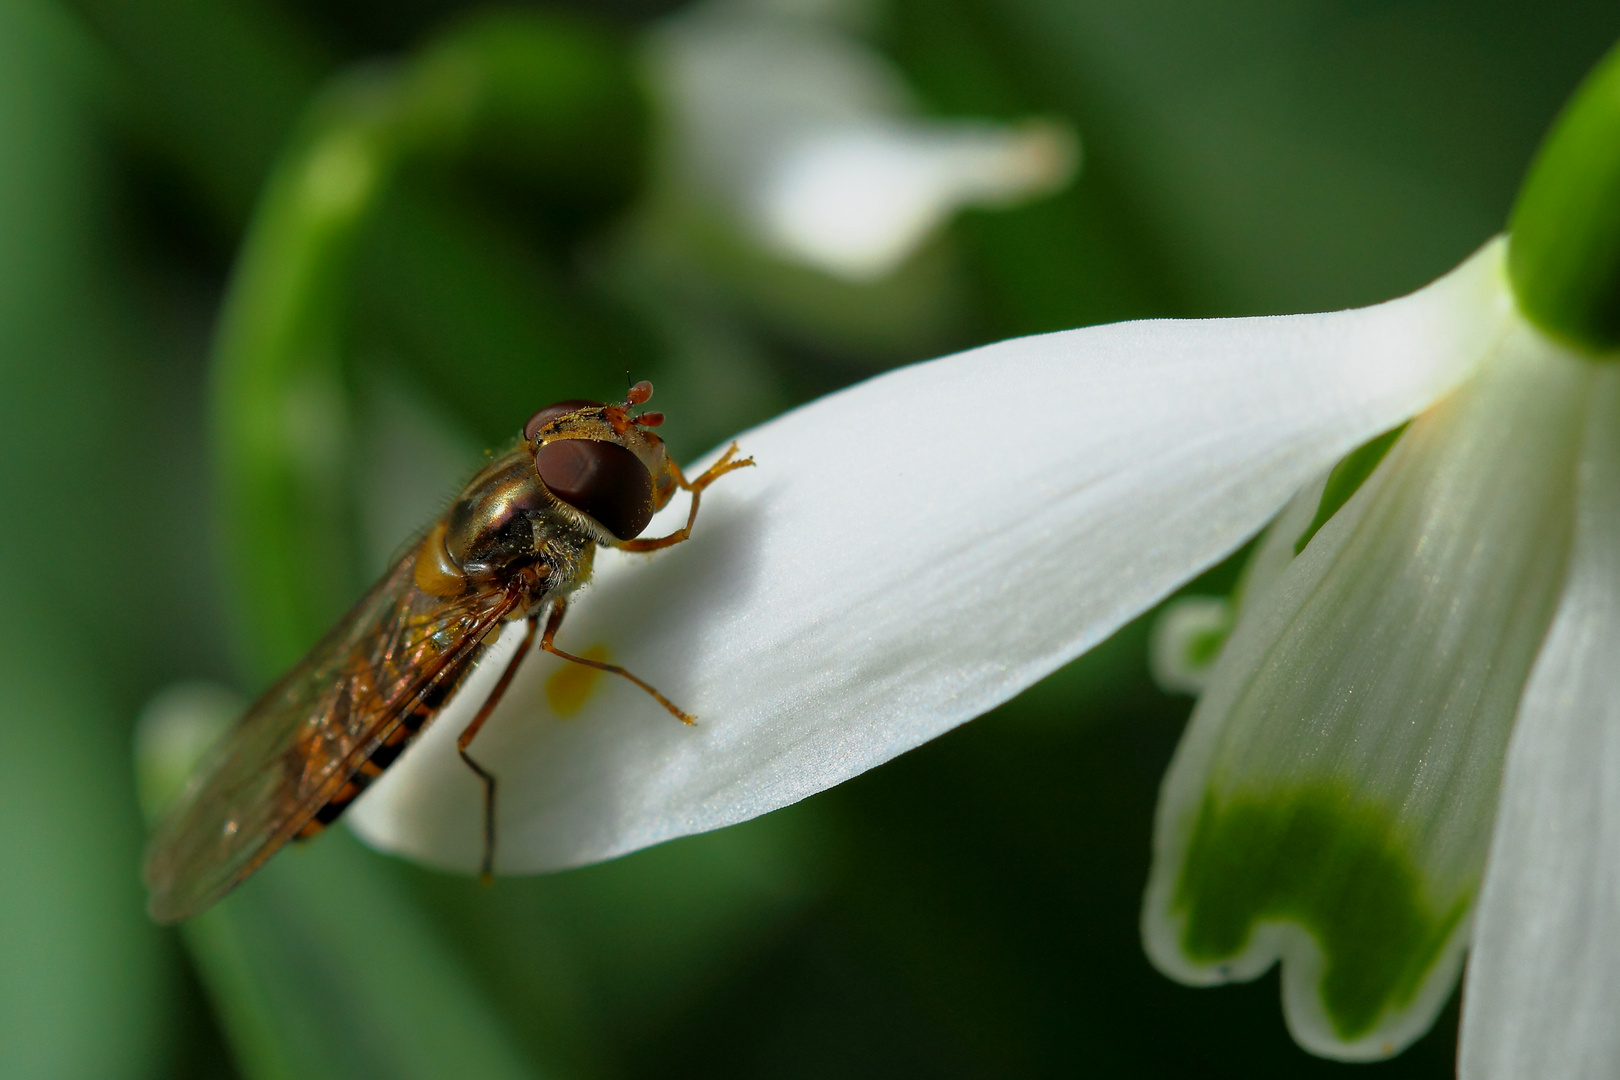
(911, 552)
(1543, 989)
(804, 133)
(1331, 802)
(1190, 632)
(857, 200)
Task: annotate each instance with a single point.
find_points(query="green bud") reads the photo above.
(1564, 248)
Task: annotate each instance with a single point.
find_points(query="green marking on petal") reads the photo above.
(1347, 476)
(1332, 863)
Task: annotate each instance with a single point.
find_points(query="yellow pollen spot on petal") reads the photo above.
(570, 686)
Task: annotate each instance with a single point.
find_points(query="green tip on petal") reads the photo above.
(1331, 803)
(1318, 858)
(1564, 251)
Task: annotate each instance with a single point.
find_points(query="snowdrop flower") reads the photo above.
(1408, 744)
(805, 136)
(912, 551)
(1406, 747)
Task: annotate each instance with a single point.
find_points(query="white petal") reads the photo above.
(915, 550)
(736, 88)
(1190, 632)
(1331, 802)
(805, 134)
(857, 200)
(1544, 980)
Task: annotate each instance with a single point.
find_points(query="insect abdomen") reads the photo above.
(410, 725)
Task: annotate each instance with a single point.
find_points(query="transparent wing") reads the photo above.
(291, 752)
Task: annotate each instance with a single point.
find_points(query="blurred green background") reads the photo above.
(967, 910)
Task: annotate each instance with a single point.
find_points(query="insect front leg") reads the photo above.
(558, 607)
(708, 476)
(470, 732)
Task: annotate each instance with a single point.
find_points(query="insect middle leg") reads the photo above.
(558, 607)
(470, 732)
(707, 477)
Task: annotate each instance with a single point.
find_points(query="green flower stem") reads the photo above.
(1564, 250)
(538, 99)
(278, 398)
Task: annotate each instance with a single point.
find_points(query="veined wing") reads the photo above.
(298, 744)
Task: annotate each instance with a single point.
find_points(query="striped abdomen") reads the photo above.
(410, 725)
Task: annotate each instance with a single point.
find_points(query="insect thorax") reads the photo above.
(566, 546)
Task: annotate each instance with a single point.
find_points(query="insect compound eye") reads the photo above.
(551, 412)
(601, 479)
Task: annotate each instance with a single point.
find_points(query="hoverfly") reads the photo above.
(513, 546)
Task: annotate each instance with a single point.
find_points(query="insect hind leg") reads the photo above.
(486, 866)
(557, 608)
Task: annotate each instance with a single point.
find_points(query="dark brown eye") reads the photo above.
(601, 479)
(551, 412)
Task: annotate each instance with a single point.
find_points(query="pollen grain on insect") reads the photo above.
(570, 686)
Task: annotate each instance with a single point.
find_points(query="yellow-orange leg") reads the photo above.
(486, 870)
(709, 476)
(557, 608)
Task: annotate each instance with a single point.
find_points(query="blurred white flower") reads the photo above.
(807, 137)
(174, 730)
